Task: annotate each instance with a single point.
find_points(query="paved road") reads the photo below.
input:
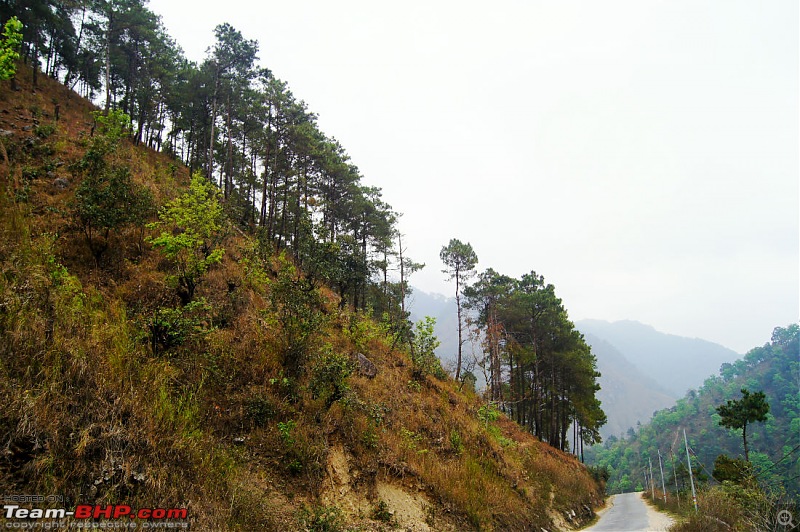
(629, 513)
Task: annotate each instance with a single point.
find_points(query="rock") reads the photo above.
(61, 183)
(5, 133)
(366, 367)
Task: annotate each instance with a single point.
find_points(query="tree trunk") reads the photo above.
(744, 439)
(108, 57)
(210, 169)
(229, 165)
(458, 312)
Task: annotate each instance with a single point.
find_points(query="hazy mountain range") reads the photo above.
(643, 370)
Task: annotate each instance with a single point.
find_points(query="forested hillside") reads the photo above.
(198, 311)
(774, 444)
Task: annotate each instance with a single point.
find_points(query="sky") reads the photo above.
(643, 156)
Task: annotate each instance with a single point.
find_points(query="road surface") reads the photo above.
(629, 513)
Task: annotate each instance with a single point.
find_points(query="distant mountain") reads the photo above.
(620, 383)
(676, 363)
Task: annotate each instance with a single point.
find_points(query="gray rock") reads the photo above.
(61, 183)
(366, 367)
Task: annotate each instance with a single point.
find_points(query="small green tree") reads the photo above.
(9, 48)
(107, 200)
(193, 225)
(423, 353)
(296, 311)
(736, 414)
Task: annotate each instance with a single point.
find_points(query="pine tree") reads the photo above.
(736, 414)
(460, 260)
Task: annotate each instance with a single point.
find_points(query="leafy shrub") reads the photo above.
(423, 352)
(488, 413)
(44, 131)
(107, 199)
(285, 429)
(329, 377)
(295, 306)
(381, 512)
(304, 449)
(322, 519)
(456, 442)
(259, 410)
(172, 327)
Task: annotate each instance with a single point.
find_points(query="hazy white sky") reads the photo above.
(642, 155)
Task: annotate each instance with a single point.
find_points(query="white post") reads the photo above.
(691, 477)
(675, 474)
(663, 486)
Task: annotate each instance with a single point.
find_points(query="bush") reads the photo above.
(44, 131)
(456, 442)
(259, 410)
(172, 327)
(381, 512)
(329, 376)
(423, 351)
(107, 201)
(322, 519)
(295, 306)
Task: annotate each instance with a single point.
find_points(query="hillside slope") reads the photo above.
(244, 400)
(676, 363)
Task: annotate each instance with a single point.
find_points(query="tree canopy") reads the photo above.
(537, 365)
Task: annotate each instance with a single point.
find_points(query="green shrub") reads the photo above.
(285, 429)
(322, 519)
(423, 352)
(295, 308)
(488, 413)
(329, 376)
(259, 410)
(172, 327)
(44, 130)
(456, 442)
(381, 512)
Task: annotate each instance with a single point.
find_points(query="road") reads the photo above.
(629, 513)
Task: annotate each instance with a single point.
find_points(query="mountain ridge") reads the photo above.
(677, 363)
